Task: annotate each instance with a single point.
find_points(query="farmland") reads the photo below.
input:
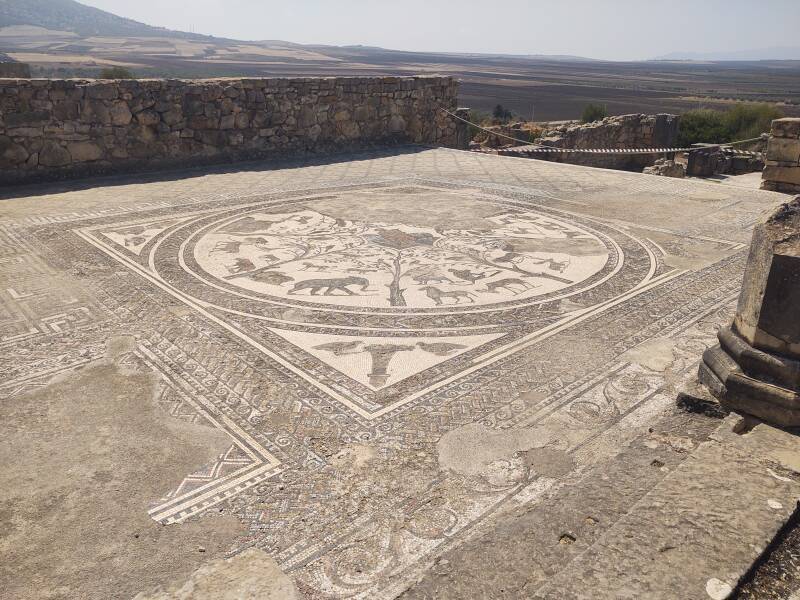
(547, 88)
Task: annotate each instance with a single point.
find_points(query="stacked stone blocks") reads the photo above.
(782, 170)
(65, 128)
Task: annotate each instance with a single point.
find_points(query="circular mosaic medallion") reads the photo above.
(310, 257)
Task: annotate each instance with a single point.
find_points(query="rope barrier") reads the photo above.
(528, 148)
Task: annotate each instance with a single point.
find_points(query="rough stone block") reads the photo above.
(84, 151)
(771, 279)
(172, 117)
(397, 124)
(27, 119)
(782, 174)
(11, 152)
(120, 113)
(96, 112)
(67, 110)
(26, 132)
(102, 91)
(755, 369)
(788, 127)
(148, 117)
(54, 155)
(786, 150)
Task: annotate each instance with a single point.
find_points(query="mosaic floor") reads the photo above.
(360, 328)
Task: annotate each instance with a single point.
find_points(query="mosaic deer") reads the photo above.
(436, 295)
(426, 278)
(507, 284)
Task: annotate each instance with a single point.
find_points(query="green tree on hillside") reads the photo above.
(747, 121)
(502, 114)
(594, 112)
(743, 121)
(702, 126)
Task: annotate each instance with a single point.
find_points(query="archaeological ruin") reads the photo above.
(369, 364)
(782, 171)
(756, 367)
(52, 129)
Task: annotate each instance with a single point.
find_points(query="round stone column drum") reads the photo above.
(755, 369)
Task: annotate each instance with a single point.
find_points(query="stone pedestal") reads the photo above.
(755, 369)
(782, 167)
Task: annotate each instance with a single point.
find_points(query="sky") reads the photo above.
(601, 29)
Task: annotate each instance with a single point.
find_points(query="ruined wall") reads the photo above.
(782, 170)
(67, 128)
(625, 131)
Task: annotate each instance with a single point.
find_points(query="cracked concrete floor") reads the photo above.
(415, 373)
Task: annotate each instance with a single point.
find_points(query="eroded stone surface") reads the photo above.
(84, 456)
(755, 368)
(251, 574)
(687, 533)
(766, 315)
(782, 170)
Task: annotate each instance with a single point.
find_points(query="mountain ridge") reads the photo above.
(86, 21)
(772, 53)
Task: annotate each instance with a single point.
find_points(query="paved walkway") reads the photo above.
(357, 365)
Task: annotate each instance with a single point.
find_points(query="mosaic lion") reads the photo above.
(341, 283)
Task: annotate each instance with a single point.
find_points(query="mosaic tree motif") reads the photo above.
(382, 354)
(354, 263)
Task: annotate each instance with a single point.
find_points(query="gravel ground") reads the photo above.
(777, 577)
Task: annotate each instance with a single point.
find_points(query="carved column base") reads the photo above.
(751, 381)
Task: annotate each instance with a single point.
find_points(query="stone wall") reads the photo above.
(782, 170)
(625, 131)
(53, 129)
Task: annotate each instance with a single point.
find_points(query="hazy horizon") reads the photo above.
(622, 30)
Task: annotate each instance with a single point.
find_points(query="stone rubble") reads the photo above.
(666, 168)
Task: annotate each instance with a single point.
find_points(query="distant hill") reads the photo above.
(85, 21)
(64, 38)
(775, 53)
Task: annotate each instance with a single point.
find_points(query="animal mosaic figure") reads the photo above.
(467, 275)
(426, 278)
(271, 277)
(514, 261)
(330, 285)
(558, 266)
(242, 265)
(308, 266)
(436, 295)
(440, 348)
(361, 271)
(506, 284)
(136, 240)
(229, 247)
